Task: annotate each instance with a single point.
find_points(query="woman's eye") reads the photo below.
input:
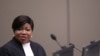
(27, 29)
(19, 29)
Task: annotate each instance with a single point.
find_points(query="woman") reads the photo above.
(21, 45)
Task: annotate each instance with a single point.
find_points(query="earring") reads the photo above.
(31, 36)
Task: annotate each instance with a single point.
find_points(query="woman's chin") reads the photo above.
(24, 40)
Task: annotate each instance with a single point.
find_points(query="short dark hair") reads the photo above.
(20, 20)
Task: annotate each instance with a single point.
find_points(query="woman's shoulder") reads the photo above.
(10, 44)
(36, 44)
(37, 47)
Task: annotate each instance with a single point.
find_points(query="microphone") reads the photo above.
(53, 37)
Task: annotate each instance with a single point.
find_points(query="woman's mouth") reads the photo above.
(23, 38)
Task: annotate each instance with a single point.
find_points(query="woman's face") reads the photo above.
(24, 33)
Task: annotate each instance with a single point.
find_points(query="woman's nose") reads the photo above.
(23, 32)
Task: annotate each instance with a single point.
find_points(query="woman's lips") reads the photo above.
(22, 37)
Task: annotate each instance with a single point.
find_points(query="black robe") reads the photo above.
(14, 48)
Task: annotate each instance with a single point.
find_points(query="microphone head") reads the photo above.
(53, 37)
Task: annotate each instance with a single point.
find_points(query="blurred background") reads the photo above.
(72, 21)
